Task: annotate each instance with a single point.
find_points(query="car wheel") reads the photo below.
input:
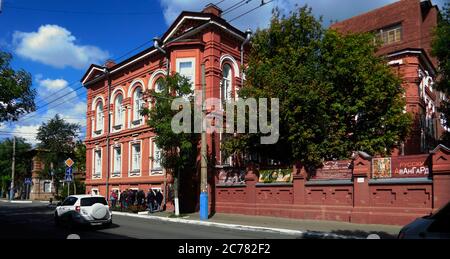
(57, 222)
(108, 224)
(70, 224)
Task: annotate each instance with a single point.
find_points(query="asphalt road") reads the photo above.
(35, 221)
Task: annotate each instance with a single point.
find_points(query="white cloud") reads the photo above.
(56, 46)
(27, 132)
(53, 84)
(48, 89)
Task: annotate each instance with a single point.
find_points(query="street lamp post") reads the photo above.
(11, 191)
(204, 166)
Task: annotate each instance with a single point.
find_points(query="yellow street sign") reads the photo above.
(69, 162)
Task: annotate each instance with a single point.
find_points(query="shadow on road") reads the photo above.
(36, 222)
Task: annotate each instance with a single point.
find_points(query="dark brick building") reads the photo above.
(405, 30)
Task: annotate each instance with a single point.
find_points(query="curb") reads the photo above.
(298, 233)
(21, 201)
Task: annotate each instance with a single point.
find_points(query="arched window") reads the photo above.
(118, 111)
(159, 87)
(226, 89)
(99, 117)
(138, 104)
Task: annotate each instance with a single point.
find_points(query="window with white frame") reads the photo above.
(117, 163)
(118, 111)
(226, 87)
(138, 105)
(389, 35)
(97, 164)
(186, 68)
(156, 160)
(99, 118)
(159, 86)
(135, 159)
(47, 186)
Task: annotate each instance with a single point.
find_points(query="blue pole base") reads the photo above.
(203, 206)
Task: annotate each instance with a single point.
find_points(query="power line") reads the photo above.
(39, 109)
(236, 6)
(251, 10)
(219, 2)
(64, 101)
(60, 90)
(8, 6)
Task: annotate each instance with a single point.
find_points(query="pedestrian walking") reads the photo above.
(150, 200)
(159, 199)
(124, 198)
(140, 197)
(113, 198)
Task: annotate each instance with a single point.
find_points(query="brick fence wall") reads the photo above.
(361, 198)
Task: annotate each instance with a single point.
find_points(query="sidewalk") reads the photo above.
(305, 228)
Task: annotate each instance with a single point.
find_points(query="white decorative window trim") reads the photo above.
(136, 173)
(94, 172)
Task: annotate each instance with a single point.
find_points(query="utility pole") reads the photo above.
(204, 165)
(107, 134)
(11, 191)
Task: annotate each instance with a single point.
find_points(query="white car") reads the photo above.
(83, 210)
(436, 226)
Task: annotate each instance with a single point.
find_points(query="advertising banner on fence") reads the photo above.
(231, 176)
(275, 176)
(381, 167)
(339, 169)
(411, 166)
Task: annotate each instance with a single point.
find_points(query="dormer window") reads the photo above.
(389, 35)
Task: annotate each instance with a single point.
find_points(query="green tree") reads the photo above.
(441, 50)
(335, 95)
(179, 151)
(22, 163)
(16, 94)
(58, 140)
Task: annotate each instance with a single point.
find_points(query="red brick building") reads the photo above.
(41, 189)
(193, 39)
(404, 29)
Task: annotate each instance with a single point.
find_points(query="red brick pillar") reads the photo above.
(441, 176)
(361, 175)
(298, 181)
(251, 178)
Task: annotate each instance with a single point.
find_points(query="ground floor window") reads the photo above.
(47, 186)
(135, 159)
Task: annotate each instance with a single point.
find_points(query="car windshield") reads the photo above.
(93, 200)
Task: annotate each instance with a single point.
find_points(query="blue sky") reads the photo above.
(57, 40)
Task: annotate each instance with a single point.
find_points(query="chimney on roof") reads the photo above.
(212, 9)
(110, 63)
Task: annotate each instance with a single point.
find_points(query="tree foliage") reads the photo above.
(178, 150)
(22, 162)
(58, 140)
(16, 94)
(335, 95)
(441, 50)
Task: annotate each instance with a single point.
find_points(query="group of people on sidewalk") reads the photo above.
(153, 199)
